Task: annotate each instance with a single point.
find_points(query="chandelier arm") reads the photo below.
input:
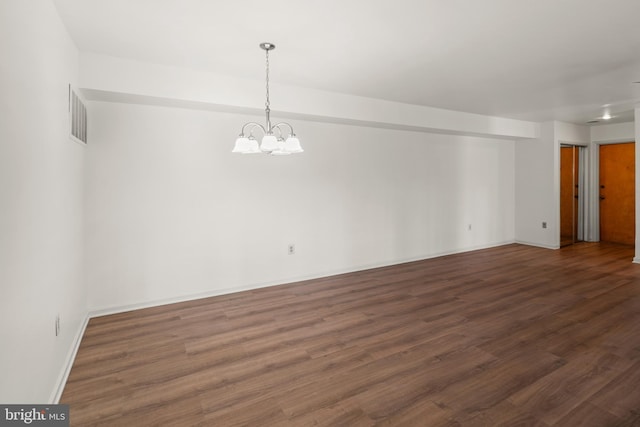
(277, 125)
(254, 124)
(278, 129)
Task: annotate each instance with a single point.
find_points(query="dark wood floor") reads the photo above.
(508, 336)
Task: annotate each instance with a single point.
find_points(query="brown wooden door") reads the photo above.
(569, 169)
(617, 193)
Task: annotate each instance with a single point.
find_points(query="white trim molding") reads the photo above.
(56, 394)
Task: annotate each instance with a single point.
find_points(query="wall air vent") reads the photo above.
(77, 118)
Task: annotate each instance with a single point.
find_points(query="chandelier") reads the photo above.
(273, 136)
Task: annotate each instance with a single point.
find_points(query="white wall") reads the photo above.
(170, 212)
(536, 173)
(569, 133)
(616, 132)
(41, 210)
(537, 168)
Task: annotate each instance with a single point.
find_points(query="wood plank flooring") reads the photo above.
(508, 336)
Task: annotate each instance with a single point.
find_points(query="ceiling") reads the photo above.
(536, 60)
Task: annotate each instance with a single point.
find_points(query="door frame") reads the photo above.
(583, 193)
(593, 207)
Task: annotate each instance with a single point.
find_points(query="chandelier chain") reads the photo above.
(267, 103)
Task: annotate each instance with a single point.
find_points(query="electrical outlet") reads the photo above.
(57, 324)
(292, 249)
(544, 224)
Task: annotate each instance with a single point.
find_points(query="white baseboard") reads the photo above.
(64, 374)
(539, 245)
(190, 297)
(71, 357)
(636, 260)
(182, 298)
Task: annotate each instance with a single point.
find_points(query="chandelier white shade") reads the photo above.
(273, 140)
